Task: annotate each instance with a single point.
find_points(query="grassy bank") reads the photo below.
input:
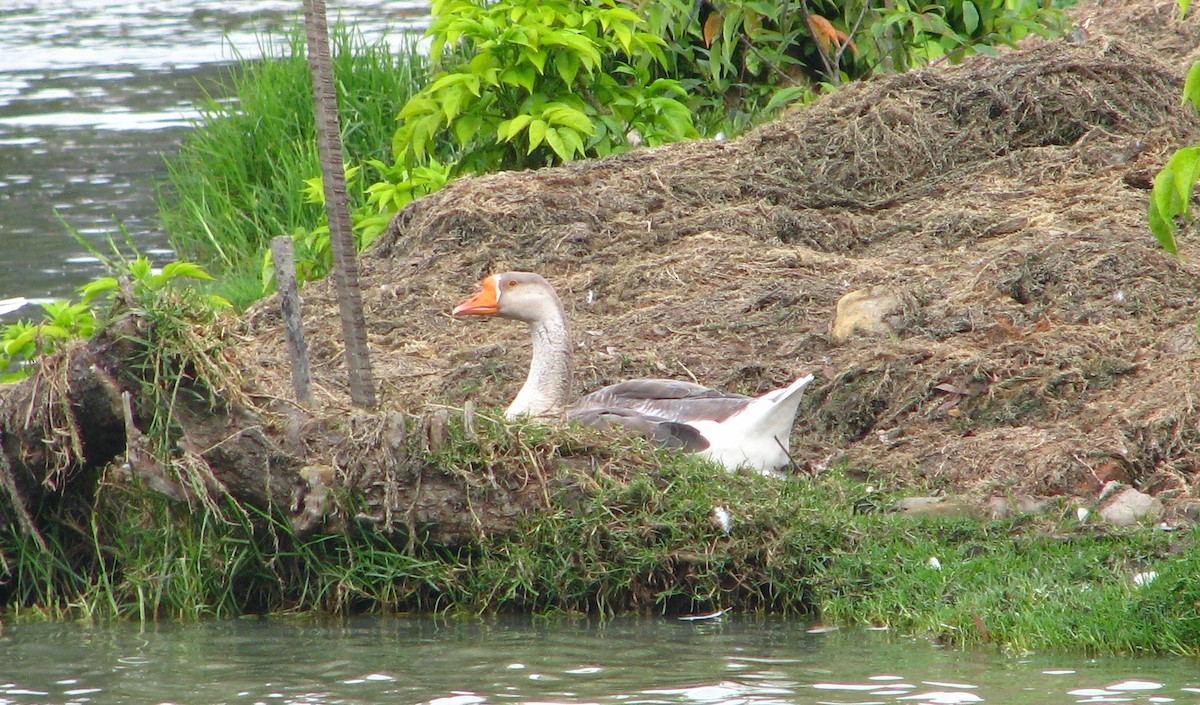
(635, 535)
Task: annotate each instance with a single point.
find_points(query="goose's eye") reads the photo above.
(510, 283)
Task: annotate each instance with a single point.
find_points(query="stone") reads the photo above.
(865, 312)
(997, 508)
(1029, 504)
(1184, 512)
(1130, 506)
(934, 506)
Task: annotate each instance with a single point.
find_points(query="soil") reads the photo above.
(1041, 341)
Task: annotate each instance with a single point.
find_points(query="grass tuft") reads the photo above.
(238, 179)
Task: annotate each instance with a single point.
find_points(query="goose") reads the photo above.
(732, 429)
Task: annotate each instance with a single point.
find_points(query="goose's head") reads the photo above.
(523, 296)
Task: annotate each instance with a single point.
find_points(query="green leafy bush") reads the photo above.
(399, 187)
(24, 341)
(740, 60)
(951, 29)
(545, 82)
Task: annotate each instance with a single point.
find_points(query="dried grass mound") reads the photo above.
(1041, 341)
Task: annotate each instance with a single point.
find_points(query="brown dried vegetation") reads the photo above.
(1042, 334)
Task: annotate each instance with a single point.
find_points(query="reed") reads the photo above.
(238, 179)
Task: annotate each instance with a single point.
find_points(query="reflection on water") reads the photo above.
(93, 93)
(733, 661)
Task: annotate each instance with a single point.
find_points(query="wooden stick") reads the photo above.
(293, 324)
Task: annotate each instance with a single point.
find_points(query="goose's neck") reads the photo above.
(548, 385)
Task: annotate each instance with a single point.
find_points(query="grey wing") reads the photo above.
(667, 399)
(668, 433)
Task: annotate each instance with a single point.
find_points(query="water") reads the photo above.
(93, 93)
(411, 660)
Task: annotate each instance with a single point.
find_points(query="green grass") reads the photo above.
(635, 536)
(1033, 584)
(237, 180)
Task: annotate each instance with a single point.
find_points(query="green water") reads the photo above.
(733, 661)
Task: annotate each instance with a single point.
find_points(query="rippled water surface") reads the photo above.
(728, 662)
(93, 93)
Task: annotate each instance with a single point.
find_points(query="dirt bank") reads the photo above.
(1041, 342)
(1036, 340)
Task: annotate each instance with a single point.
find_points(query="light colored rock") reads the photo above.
(1130, 506)
(1028, 504)
(934, 506)
(1189, 510)
(864, 311)
(997, 508)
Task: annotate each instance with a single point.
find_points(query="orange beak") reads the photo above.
(484, 303)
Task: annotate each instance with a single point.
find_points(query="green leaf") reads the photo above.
(589, 55)
(1191, 86)
(452, 100)
(557, 144)
(475, 86)
(667, 85)
(537, 133)
(573, 141)
(184, 269)
(490, 76)
(1161, 227)
(567, 66)
(522, 76)
(53, 332)
(93, 289)
(1185, 164)
(617, 15)
(970, 17)
(1171, 195)
(624, 36)
(537, 59)
(140, 268)
(314, 190)
(448, 80)
(766, 9)
(423, 131)
(784, 96)
(417, 106)
(467, 127)
(509, 129)
(21, 343)
(561, 114)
